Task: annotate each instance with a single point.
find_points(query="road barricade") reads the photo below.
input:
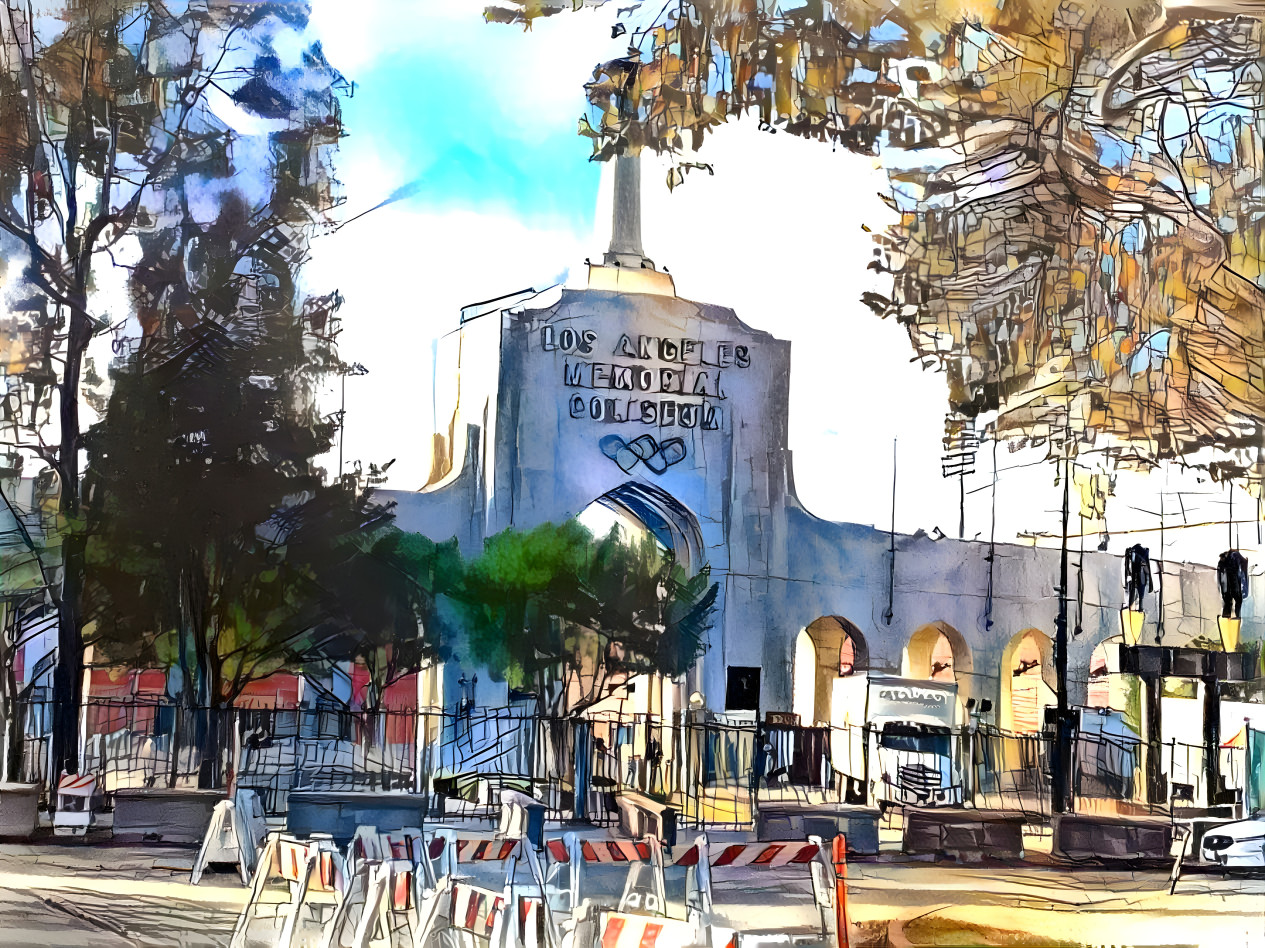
(388, 876)
(308, 875)
(235, 835)
(75, 795)
(644, 898)
(829, 893)
(644, 889)
(516, 916)
(622, 930)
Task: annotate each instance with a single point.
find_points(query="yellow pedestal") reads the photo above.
(1131, 625)
(1229, 629)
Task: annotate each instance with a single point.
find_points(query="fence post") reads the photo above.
(583, 766)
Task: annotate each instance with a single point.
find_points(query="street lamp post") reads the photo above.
(1060, 764)
(354, 369)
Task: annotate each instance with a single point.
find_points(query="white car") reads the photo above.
(1235, 844)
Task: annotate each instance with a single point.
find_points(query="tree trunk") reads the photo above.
(68, 672)
(13, 717)
(210, 769)
(211, 713)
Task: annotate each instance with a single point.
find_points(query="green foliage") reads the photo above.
(211, 538)
(557, 599)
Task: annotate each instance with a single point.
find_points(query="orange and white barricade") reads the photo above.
(643, 903)
(74, 804)
(386, 874)
(701, 860)
(398, 847)
(644, 889)
(622, 930)
(515, 916)
(308, 876)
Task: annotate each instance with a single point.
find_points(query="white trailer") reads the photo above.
(896, 736)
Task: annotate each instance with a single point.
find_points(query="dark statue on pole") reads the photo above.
(1232, 579)
(1137, 574)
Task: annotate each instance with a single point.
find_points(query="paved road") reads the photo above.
(109, 896)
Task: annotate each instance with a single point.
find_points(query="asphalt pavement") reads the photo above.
(76, 894)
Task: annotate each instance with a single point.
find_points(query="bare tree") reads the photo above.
(115, 126)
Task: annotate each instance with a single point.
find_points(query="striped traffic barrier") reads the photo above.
(828, 893)
(459, 904)
(304, 871)
(621, 930)
(74, 815)
(644, 888)
(699, 860)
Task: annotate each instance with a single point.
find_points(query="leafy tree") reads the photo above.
(226, 556)
(1079, 246)
(558, 610)
(111, 149)
(391, 636)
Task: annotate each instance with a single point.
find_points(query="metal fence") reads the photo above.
(710, 771)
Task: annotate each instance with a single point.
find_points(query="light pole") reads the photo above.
(354, 369)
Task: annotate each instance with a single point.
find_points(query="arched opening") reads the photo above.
(828, 648)
(673, 525)
(1027, 682)
(937, 652)
(1098, 691)
(609, 751)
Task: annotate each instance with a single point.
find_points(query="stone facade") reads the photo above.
(676, 412)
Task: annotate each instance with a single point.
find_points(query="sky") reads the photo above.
(480, 121)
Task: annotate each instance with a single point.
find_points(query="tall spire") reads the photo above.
(625, 249)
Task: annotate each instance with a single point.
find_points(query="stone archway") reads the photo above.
(937, 652)
(1027, 682)
(828, 648)
(671, 522)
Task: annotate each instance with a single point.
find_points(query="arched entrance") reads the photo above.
(828, 648)
(937, 652)
(622, 739)
(673, 525)
(1027, 682)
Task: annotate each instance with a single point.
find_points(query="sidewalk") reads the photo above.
(68, 892)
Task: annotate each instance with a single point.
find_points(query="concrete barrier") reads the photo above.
(966, 835)
(164, 816)
(340, 813)
(640, 815)
(796, 821)
(1107, 839)
(19, 809)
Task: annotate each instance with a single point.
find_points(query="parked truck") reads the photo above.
(896, 738)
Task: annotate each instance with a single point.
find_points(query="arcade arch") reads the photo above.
(828, 648)
(673, 525)
(1027, 682)
(1098, 690)
(937, 652)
